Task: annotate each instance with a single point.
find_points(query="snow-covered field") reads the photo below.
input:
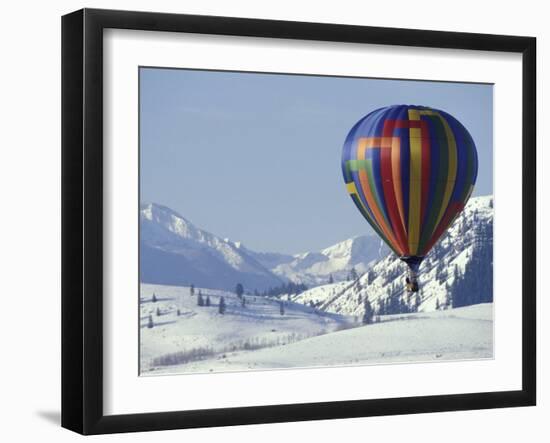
(257, 336)
(202, 332)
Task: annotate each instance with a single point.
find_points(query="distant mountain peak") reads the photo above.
(175, 251)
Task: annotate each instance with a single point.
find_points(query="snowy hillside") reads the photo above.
(202, 332)
(459, 266)
(463, 333)
(174, 251)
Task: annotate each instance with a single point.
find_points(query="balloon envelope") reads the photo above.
(409, 170)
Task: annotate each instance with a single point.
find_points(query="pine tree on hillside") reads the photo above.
(158, 312)
(370, 277)
(409, 301)
(192, 290)
(207, 303)
(282, 308)
(381, 306)
(369, 313)
(330, 279)
(437, 306)
(150, 323)
(448, 296)
(221, 306)
(200, 299)
(353, 274)
(154, 298)
(417, 302)
(239, 290)
(243, 303)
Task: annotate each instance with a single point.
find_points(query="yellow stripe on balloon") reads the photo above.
(451, 177)
(415, 187)
(396, 178)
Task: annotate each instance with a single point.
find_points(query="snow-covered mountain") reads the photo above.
(176, 252)
(458, 271)
(316, 268)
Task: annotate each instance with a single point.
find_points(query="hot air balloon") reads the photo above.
(410, 171)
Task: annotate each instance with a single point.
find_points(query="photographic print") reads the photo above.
(297, 221)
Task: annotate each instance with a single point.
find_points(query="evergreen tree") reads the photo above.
(239, 290)
(243, 303)
(178, 312)
(330, 280)
(369, 313)
(192, 290)
(417, 301)
(403, 308)
(158, 312)
(353, 274)
(207, 300)
(200, 299)
(221, 306)
(448, 296)
(154, 298)
(282, 308)
(381, 306)
(150, 323)
(437, 306)
(370, 277)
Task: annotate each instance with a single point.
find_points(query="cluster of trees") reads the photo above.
(203, 301)
(393, 303)
(286, 288)
(399, 304)
(353, 275)
(475, 285)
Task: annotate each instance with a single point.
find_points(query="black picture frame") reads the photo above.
(82, 218)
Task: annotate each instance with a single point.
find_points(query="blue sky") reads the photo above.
(256, 157)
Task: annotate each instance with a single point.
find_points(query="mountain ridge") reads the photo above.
(175, 251)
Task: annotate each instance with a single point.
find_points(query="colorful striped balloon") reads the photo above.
(409, 170)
